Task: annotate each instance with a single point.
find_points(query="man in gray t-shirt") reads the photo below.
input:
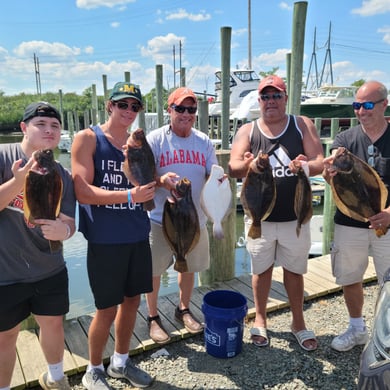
(33, 275)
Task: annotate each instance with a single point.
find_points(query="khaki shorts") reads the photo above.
(279, 245)
(197, 260)
(350, 251)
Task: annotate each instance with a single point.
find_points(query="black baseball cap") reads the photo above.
(40, 109)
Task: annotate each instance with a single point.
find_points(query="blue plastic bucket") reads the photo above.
(224, 313)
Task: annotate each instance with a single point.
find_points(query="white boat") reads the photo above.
(242, 82)
(65, 143)
(329, 101)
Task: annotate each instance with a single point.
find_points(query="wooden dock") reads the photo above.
(31, 363)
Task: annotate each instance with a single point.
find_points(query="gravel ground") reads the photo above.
(282, 365)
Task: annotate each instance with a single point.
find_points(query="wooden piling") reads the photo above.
(222, 252)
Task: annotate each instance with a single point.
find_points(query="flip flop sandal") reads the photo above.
(262, 332)
(304, 335)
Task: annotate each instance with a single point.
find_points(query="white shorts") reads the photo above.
(279, 245)
(350, 251)
(162, 256)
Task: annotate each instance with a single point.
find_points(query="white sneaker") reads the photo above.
(349, 339)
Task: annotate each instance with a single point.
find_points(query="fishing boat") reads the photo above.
(330, 101)
(65, 143)
(242, 82)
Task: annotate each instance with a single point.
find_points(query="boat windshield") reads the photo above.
(246, 75)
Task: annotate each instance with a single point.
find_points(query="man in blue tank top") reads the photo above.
(291, 142)
(117, 227)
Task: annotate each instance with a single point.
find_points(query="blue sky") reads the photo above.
(77, 41)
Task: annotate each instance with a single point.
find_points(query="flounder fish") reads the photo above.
(258, 193)
(216, 199)
(43, 191)
(180, 223)
(357, 189)
(139, 165)
(303, 204)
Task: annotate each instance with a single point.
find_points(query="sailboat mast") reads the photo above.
(249, 36)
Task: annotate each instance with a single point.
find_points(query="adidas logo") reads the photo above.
(279, 161)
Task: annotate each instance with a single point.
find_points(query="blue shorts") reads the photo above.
(48, 297)
(119, 270)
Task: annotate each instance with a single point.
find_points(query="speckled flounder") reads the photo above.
(357, 189)
(181, 223)
(303, 201)
(258, 193)
(139, 165)
(43, 191)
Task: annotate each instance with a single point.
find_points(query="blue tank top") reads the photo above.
(281, 150)
(121, 223)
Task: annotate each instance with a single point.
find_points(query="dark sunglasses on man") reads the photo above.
(274, 96)
(181, 109)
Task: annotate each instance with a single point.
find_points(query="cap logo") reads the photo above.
(128, 88)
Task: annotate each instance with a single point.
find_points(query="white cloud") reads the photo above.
(160, 48)
(285, 6)
(239, 32)
(183, 14)
(115, 24)
(272, 59)
(89, 50)
(55, 49)
(372, 7)
(386, 33)
(90, 4)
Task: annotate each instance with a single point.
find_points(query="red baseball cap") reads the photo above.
(179, 94)
(272, 81)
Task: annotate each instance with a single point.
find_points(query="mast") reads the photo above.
(249, 36)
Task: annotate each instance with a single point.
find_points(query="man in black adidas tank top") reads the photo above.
(286, 139)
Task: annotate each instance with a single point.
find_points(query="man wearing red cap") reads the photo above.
(180, 151)
(290, 141)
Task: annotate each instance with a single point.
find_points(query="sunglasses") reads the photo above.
(365, 105)
(181, 109)
(372, 152)
(274, 96)
(125, 106)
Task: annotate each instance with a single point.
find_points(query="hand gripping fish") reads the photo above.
(258, 193)
(139, 165)
(181, 223)
(357, 189)
(216, 199)
(43, 191)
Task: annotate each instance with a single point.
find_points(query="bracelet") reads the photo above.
(129, 199)
(67, 231)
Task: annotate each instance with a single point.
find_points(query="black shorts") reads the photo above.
(119, 270)
(46, 297)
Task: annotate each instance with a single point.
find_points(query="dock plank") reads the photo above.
(319, 281)
(31, 356)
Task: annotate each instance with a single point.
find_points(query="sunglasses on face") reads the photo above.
(274, 96)
(372, 152)
(365, 105)
(126, 106)
(181, 109)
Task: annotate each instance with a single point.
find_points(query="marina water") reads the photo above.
(75, 250)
